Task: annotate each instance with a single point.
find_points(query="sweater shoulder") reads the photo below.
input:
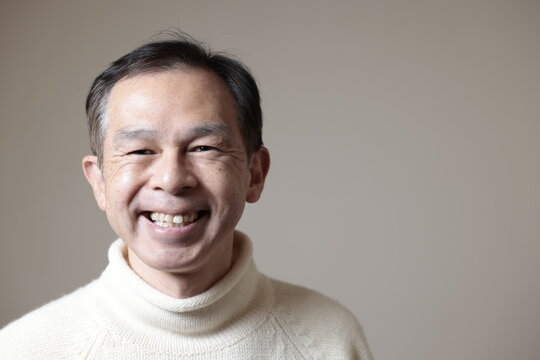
(318, 324)
(50, 331)
(304, 302)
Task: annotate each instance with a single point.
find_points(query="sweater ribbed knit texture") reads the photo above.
(246, 315)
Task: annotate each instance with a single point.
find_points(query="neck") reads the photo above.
(185, 284)
(230, 311)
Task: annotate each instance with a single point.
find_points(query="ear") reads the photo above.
(93, 174)
(260, 164)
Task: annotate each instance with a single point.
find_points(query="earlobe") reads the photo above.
(93, 174)
(260, 164)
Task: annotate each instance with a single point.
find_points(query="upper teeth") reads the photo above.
(168, 220)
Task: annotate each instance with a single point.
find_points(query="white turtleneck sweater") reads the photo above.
(246, 315)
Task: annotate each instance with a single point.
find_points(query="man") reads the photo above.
(175, 133)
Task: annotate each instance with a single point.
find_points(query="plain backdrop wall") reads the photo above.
(405, 143)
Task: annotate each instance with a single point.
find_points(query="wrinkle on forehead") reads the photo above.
(140, 107)
(208, 92)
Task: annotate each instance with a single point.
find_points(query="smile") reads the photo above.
(173, 220)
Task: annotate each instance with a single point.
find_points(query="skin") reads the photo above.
(173, 145)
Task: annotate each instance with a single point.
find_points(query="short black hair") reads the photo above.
(179, 52)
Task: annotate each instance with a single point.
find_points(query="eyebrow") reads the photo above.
(219, 130)
(129, 134)
(134, 134)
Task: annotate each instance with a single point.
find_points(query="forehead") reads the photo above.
(170, 96)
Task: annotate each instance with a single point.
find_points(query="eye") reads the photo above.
(141, 152)
(203, 148)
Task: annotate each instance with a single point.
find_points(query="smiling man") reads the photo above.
(177, 152)
(175, 176)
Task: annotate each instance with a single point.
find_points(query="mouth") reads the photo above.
(174, 220)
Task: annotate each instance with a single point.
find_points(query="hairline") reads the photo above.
(177, 51)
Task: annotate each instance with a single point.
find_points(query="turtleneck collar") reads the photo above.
(230, 310)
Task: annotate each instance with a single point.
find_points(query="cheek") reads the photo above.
(234, 188)
(124, 184)
(227, 184)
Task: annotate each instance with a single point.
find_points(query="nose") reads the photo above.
(172, 174)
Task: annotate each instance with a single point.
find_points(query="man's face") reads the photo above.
(175, 173)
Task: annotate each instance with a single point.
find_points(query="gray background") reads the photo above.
(405, 140)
